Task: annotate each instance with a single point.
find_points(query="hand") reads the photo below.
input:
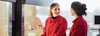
(40, 27)
(42, 33)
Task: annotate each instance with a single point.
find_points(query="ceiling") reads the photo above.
(35, 2)
(39, 2)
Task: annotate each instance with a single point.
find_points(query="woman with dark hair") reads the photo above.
(79, 27)
(55, 25)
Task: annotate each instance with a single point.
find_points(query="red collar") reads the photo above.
(80, 17)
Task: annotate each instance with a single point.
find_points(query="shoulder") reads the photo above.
(63, 18)
(63, 21)
(47, 19)
(82, 22)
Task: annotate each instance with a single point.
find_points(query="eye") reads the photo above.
(55, 9)
(58, 8)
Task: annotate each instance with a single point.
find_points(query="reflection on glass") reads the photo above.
(32, 24)
(5, 13)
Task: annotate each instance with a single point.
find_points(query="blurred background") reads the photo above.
(36, 12)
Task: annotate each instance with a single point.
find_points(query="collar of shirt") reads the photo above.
(80, 17)
(53, 19)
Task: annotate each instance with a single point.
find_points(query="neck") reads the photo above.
(55, 15)
(76, 16)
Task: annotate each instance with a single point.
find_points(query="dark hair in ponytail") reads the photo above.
(79, 8)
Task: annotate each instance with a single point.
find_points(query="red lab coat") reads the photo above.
(55, 27)
(79, 27)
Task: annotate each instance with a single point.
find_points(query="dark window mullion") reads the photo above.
(16, 24)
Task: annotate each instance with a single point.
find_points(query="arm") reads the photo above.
(44, 29)
(62, 29)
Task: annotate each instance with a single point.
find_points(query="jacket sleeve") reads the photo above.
(78, 30)
(45, 28)
(62, 29)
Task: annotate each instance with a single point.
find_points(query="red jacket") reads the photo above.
(79, 27)
(55, 27)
